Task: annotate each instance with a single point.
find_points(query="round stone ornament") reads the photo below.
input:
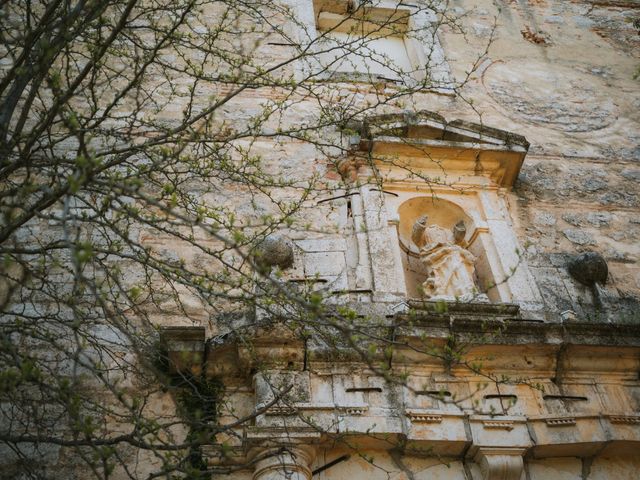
(589, 268)
(274, 251)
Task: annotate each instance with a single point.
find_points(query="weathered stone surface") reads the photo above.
(572, 97)
(561, 75)
(599, 219)
(579, 237)
(545, 218)
(631, 174)
(576, 104)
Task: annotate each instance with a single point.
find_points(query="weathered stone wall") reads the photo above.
(561, 73)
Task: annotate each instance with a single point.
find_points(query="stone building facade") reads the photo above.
(542, 167)
(469, 254)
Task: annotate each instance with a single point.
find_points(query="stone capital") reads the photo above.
(290, 462)
(500, 463)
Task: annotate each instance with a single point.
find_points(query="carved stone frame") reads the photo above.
(472, 167)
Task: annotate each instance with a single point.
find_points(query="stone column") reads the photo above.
(393, 222)
(518, 284)
(388, 277)
(285, 463)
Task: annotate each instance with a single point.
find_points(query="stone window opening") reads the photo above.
(434, 393)
(371, 41)
(364, 389)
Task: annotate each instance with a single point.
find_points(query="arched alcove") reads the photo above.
(446, 215)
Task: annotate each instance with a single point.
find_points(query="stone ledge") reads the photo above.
(516, 331)
(510, 310)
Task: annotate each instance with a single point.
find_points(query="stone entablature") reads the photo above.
(445, 409)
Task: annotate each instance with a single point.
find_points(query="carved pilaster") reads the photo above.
(287, 462)
(500, 463)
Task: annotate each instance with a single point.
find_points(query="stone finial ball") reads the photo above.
(589, 268)
(274, 251)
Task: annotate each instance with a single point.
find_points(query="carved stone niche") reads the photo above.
(440, 253)
(445, 186)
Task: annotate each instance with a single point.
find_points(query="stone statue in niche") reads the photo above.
(450, 267)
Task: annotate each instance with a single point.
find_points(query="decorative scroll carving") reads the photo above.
(450, 267)
(348, 167)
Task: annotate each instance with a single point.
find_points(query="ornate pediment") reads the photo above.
(425, 142)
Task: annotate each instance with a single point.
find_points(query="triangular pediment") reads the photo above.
(426, 125)
(423, 137)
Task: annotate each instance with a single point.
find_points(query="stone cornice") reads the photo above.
(425, 140)
(579, 349)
